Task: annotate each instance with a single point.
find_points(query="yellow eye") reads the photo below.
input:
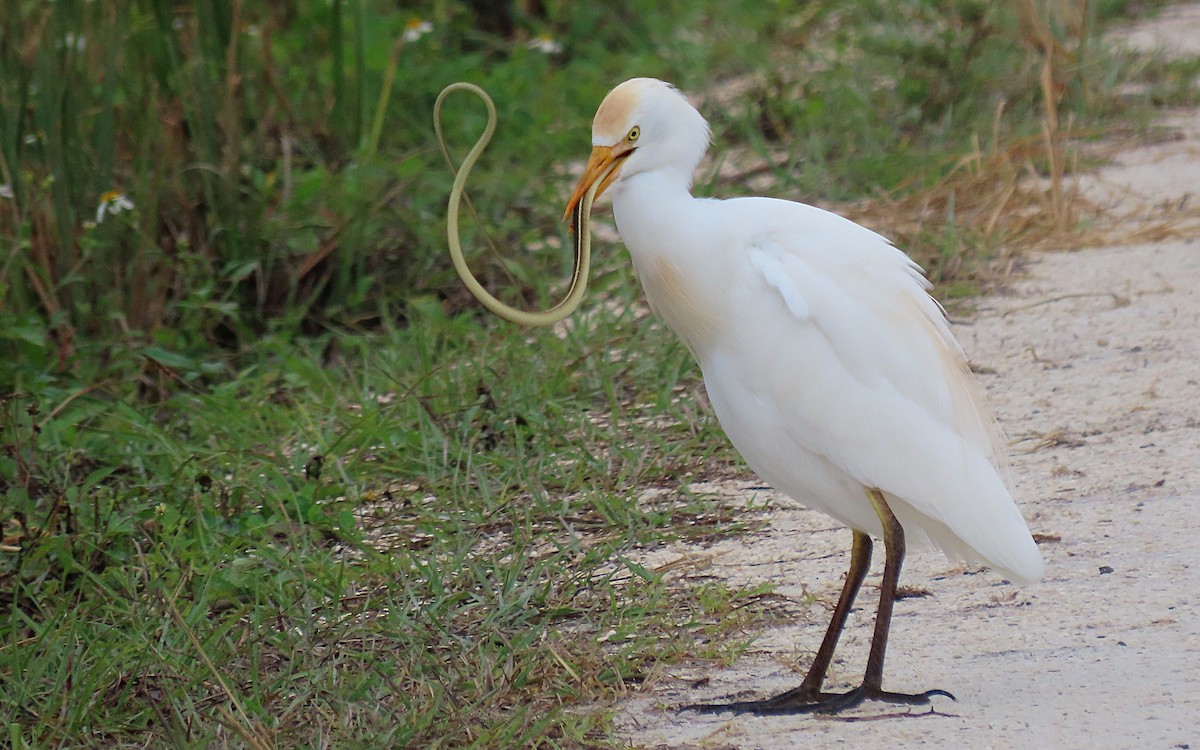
(634, 132)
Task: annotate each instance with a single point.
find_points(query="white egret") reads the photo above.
(828, 364)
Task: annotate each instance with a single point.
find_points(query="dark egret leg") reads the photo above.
(809, 691)
(808, 698)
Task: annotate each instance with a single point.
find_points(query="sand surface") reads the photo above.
(1091, 360)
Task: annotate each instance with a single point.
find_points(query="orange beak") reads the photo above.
(604, 165)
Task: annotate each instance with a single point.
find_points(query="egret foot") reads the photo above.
(798, 701)
(808, 698)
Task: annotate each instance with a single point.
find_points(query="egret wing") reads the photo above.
(863, 363)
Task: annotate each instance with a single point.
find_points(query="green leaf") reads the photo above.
(168, 358)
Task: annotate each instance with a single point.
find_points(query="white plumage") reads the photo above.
(828, 364)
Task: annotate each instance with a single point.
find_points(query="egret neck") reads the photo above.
(666, 230)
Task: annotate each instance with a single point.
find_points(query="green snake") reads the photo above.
(582, 237)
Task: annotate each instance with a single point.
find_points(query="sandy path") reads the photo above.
(1092, 364)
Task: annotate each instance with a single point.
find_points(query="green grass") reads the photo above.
(270, 479)
(420, 548)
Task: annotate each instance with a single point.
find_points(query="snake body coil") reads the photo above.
(582, 234)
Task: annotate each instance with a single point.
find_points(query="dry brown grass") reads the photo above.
(1025, 194)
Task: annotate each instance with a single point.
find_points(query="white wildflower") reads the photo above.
(73, 41)
(111, 204)
(416, 28)
(6, 191)
(545, 44)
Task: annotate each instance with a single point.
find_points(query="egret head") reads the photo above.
(642, 125)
